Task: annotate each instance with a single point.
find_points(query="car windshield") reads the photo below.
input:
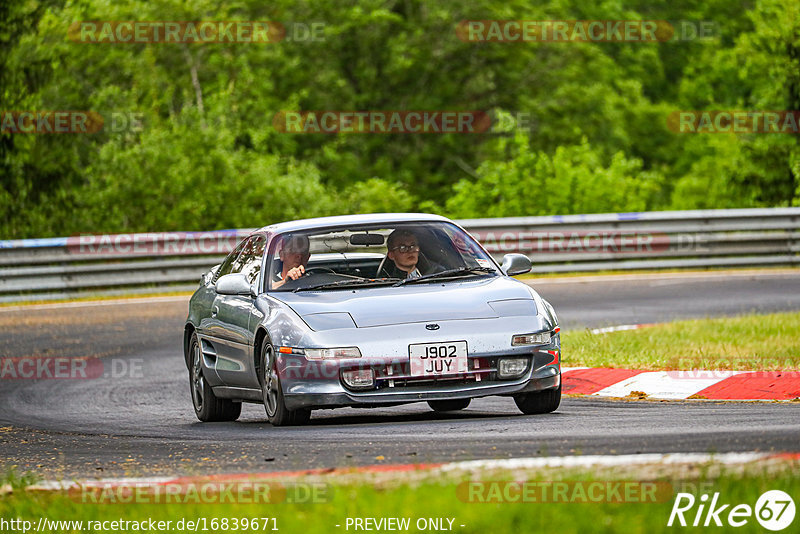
(373, 256)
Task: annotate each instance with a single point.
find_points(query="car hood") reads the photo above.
(432, 301)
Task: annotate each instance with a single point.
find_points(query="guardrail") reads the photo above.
(52, 268)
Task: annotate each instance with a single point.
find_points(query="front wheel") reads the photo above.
(207, 407)
(539, 401)
(272, 392)
(448, 405)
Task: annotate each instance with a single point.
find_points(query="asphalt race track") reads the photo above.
(140, 422)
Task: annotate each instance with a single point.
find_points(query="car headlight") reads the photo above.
(541, 338)
(359, 378)
(329, 354)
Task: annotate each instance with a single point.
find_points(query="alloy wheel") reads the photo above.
(198, 382)
(271, 383)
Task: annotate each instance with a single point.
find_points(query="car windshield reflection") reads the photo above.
(370, 256)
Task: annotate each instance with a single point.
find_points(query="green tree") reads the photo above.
(573, 180)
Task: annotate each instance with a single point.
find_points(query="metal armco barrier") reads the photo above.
(52, 268)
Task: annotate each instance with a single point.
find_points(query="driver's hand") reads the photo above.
(296, 272)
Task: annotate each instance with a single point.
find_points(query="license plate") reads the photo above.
(438, 359)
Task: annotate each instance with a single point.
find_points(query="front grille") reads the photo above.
(427, 382)
(398, 375)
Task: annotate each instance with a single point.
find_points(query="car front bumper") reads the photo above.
(319, 391)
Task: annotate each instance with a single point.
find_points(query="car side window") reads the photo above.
(251, 256)
(245, 256)
(227, 264)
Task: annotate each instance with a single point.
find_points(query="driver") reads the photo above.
(294, 254)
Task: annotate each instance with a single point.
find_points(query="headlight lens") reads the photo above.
(329, 354)
(542, 338)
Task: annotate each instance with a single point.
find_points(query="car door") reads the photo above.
(232, 314)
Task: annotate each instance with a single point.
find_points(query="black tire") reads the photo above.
(207, 407)
(272, 392)
(539, 402)
(448, 405)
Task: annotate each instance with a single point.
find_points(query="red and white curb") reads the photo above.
(715, 385)
(588, 461)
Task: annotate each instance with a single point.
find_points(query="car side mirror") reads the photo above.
(233, 284)
(514, 264)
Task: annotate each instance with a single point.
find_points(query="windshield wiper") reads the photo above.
(446, 274)
(344, 283)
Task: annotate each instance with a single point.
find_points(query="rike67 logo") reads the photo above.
(774, 510)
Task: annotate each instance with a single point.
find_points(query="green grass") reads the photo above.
(438, 499)
(17, 481)
(750, 342)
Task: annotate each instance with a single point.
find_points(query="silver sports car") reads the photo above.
(365, 311)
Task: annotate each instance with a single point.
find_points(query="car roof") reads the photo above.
(345, 220)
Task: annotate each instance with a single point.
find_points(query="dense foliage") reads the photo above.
(208, 156)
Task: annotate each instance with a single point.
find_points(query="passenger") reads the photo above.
(294, 254)
(403, 259)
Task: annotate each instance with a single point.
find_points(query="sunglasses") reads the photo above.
(406, 248)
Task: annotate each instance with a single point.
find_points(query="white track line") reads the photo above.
(55, 485)
(619, 328)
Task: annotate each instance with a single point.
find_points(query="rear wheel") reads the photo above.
(539, 402)
(207, 407)
(272, 392)
(448, 405)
